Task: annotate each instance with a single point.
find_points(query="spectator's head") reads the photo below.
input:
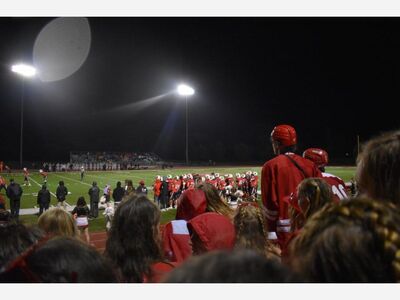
(250, 227)
(211, 231)
(378, 168)
(57, 222)
(283, 139)
(354, 241)
(191, 204)
(134, 239)
(214, 201)
(312, 195)
(60, 260)
(81, 202)
(15, 238)
(239, 266)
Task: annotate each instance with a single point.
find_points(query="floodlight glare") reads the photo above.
(185, 90)
(24, 70)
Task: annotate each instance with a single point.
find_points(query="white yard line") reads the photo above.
(81, 182)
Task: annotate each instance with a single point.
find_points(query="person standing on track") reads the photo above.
(61, 194)
(94, 193)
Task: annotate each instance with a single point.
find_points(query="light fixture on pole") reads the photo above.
(185, 90)
(24, 71)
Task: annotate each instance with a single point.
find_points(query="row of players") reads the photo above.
(229, 187)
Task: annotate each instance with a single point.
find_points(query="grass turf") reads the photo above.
(78, 188)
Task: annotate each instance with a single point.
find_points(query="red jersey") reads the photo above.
(176, 185)
(279, 178)
(338, 186)
(254, 181)
(157, 187)
(221, 185)
(240, 182)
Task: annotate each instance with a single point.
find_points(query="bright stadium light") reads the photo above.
(24, 70)
(185, 90)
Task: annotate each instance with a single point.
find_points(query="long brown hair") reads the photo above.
(356, 240)
(214, 201)
(378, 167)
(56, 221)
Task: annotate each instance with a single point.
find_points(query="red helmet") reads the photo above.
(285, 134)
(316, 155)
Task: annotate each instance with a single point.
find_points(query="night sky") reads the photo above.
(331, 78)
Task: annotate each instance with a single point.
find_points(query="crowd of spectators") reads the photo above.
(352, 240)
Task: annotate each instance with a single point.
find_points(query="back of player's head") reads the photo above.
(354, 241)
(318, 156)
(119, 184)
(285, 135)
(61, 182)
(94, 183)
(239, 266)
(378, 167)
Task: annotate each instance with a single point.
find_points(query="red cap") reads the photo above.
(285, 134)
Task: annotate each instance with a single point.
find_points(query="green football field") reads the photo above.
(77, 188)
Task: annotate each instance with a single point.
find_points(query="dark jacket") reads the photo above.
(14, 191)
(43, 197)
(61, 192)
(118, 193)
(94, 193)
(80, 211)
(164, 189)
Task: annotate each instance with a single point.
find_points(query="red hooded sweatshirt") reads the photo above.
(175, 241)
(215, 231)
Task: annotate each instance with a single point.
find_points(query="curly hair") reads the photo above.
(251, 231)
(357, 240)
(133, 244)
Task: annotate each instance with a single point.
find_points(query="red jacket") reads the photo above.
(215, 231)
(279, 178)
(338, 186)
(175, 237)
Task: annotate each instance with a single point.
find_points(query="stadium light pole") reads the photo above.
(185, 90)
(24, 71)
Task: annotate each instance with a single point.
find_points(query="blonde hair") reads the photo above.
(214, 201)
(58, 222)
(318, 192)
(251, 231)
